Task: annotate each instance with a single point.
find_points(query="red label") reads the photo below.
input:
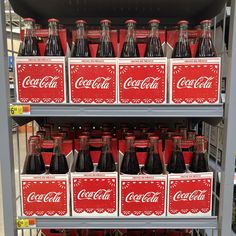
(191, 196)
(146, 197)
(142, 83)
(40, 197)
(40, 81)
(92, 83)
(195, 83)
(94, 195)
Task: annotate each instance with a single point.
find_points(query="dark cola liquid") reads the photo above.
(105, 49)
(29, 47)
(130, 164)
(176, 163)
(154, 48)
(81, 48)
(84, 162)
(199, 163)
(58, 164)
(106, 162)
(53, 46)
(35, 164)
(130, 49)
(181, 50)
(205, 48)
(153, 164)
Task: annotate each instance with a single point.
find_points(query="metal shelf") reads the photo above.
(167, 110)
(120, 222)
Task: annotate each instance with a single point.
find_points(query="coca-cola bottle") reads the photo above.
(53, 45)
(199, 161)
(81, 46)
(205, 45)
(58, 164)
(153, 164)
(106, 161)
(130, 163)
(84, 161)
(105, 47)
(182, 48)
(176, 163)
(154, 48)
(29, 46)
(130, 47)
(34, 161)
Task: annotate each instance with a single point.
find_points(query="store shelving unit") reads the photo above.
(213, 225)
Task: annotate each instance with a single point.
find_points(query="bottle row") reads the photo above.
(104, 177)
(104, 43)
(120, 232)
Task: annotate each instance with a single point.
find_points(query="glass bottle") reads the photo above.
(176, 163)
(34, 161)
(29, 45)
(105, 47)
(58, 164)
(53, 45)
(153, 164)
(130, 163)
(205, 45)
(154, 48)
(84, 161)
(130, 47)
(182, 48)
(106, 161)
(81, 47)
(199, 161)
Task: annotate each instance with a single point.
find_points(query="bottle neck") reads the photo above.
(33, 147)
(106, 145)
(57, 146)
(206, 30)
(83, 144)
(200, 146)
(81, 33)
(130, 145)
(177, 145)
(53, 29)
(154, 146)
(183, 33)
(29, 29)
(154, 32)
(105, 32)
(131, 32)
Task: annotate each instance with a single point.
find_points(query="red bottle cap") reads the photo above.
(154, 137)
(34, 137)
(154, 21)
(106, 136)
(129, 137)
(53, 20)
(83, 136)
(29, 19)
(131, 21)
(105, 21)
(85, 133)
(199, 137)
(57, 137)
(177, 137)
(81, 22)
(205, 21)
(183, 22)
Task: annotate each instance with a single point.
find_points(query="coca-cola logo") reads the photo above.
(47, 197)
(197, 195)
(101, 194)
(147, 83)
(146, 197)
(98, 83)
(45, 82)
(202, 82)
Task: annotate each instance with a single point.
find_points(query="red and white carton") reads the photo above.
(94, 194)
(142, 80)
(195, 81)
(40, 79)
(45, 195)
(142, 195)
(190, 194)
(93, 80)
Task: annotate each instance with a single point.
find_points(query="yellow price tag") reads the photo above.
(22, 223)
(16, 110)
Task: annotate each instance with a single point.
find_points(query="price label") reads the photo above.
(16, 110)
(22, 223)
